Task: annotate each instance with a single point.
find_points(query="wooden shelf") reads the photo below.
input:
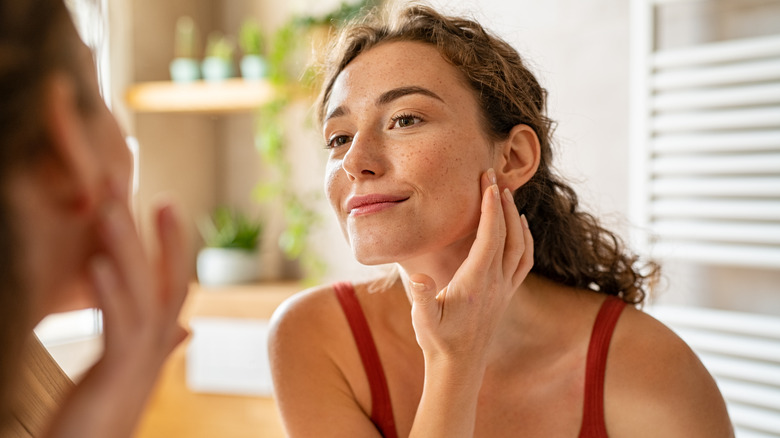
(231, 95)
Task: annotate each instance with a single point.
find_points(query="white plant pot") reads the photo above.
(221, 266)
(216, 69)
(253, 67)
(184, 70)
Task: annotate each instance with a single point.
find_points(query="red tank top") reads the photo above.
(593, 425)
(381, 408)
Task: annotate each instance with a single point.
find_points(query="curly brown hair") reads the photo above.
(570, 245)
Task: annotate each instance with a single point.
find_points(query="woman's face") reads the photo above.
(102, 130)
(110, 163)
(407, 150)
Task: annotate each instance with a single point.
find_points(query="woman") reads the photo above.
(439, 149)
(67, 235)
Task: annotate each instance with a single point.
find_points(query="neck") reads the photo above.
(526, 318)
(540, 322)
(439, 265)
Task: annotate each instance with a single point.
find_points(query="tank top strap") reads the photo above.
(381, 407)
(593, 424)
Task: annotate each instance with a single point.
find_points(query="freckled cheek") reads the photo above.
(333, 182)
(438, 166)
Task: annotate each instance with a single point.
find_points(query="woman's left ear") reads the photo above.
(519, 157)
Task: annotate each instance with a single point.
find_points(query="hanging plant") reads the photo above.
(293, 82)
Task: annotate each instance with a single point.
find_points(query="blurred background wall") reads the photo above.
(580, 50)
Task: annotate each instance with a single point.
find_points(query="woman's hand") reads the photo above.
(460, 319)
(455, 326)
(140, 299)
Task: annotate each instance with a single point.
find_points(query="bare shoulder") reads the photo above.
(308, 329)
(302, 328)
(304, 311)
(657, 386)
(313, 315)
(313, 364)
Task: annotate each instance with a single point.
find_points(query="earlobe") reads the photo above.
(70, 167)
(520, 156)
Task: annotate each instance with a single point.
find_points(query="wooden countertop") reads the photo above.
(176, 412)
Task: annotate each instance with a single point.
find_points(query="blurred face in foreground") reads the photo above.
(57, 198)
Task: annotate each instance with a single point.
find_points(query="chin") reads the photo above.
(372, 258)
(372, 252)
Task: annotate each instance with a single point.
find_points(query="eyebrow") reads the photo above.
(337, 112)
(397, 93)
(387, 97)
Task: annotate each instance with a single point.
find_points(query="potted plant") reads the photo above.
(184, 66)
(218, 63)
(252, 43)
(231, 253)
(291, 84)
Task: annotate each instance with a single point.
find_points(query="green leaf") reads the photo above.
(227, 228)
(266, 191)
(282, 54)
(250, 38)
(186, 34)
(220, 46)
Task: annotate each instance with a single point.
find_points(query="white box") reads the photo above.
(229, 356)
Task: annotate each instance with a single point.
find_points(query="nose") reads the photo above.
(364, 159)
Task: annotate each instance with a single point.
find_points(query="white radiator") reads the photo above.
(706, 147)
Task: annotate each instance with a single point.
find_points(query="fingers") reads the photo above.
(104, 281)
(123, 247)
(426, 308)
(487, 179)
(140, 300)
(515, 236)
(503, 237)
(174, 272)
(179, 335)
(423, 290)
(527, 259)
(491, 231)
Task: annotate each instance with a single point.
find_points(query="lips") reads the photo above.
(372, 203)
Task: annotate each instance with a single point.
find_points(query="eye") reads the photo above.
(405, 120)
(337, 140)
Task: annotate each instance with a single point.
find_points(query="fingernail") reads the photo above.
(491, 175)
(417, 285)
(524, 220)
(508, 195)
(494, 187)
